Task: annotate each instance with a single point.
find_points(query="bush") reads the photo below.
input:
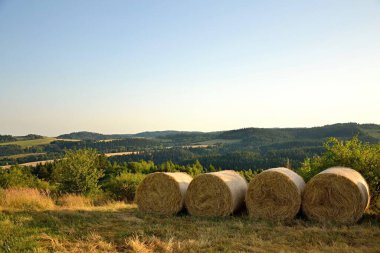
(78, 172)
(363, 157)
(20, 177)
(25, 199)
(123, 187)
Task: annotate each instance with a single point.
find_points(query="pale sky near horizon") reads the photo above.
(132, 66)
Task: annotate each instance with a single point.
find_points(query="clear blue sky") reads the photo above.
(130, 66)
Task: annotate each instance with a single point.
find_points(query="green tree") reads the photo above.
(167, 166)
(196, 169)
(78, 172)
(211, 168)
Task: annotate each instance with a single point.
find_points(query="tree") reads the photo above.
(78, 172)
(211, 168)
(196, 169)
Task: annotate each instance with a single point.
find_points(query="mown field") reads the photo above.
(120, 227)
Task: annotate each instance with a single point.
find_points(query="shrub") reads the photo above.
(123, 187)
(17, 176)
(21, 177)
(78, 172)
(25, 199)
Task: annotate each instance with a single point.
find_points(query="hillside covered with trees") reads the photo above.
(242, 149)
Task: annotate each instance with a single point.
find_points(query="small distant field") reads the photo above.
(122, 153)
(36, 142)
(107, 140)
(218, 141)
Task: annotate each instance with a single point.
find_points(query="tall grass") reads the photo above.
(74, 201)
(25, 199)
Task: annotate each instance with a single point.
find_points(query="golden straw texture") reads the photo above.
(338, 194)
(275, 194)
(162, 192)
(216, 193)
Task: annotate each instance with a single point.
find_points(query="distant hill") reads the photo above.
(248, 138)
(235, 149)
(83, 135)
(160, 134)
(7, 138)
(29, 137)
(260, 136)
(366, 132)
(10, 138)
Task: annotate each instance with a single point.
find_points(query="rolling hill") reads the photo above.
(84, 135)
(247, 147)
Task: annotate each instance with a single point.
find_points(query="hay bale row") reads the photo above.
(211, 194)
(335, 195)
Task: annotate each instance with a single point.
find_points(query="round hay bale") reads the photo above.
(216, 193)
(162, 192)
(338, 194)
(275, 194)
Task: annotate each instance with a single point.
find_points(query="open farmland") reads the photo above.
(122, 228)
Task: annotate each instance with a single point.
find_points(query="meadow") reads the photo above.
(76, 225)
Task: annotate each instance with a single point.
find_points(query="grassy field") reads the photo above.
(36, 142)
(121, 228)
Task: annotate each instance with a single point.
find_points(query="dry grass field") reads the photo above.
(120, 227)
